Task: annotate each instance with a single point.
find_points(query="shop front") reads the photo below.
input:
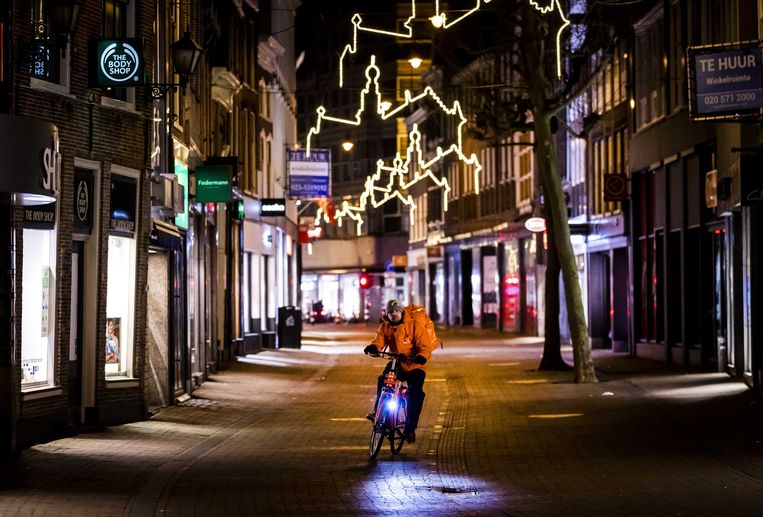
(29, 224)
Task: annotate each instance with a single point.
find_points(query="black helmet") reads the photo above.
(394, 305)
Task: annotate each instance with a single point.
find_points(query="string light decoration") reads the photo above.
(403, 174)
(399, 180)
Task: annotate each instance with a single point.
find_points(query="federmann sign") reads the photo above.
(213, 184)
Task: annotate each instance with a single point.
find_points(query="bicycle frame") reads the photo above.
(392, 405)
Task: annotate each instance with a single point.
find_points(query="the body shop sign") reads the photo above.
(119, 62)
(726, 81)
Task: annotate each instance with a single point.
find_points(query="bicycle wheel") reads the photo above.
(397, 433)
(377, 433)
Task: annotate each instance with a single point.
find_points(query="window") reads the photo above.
(120, 305)
(649, 63)
(118, 23)
(524, 164)
(609, 157)
(38, 322)
(119, 334)
(49, 63)
(649, 257)
(678, 43)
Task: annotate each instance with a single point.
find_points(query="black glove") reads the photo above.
(420, 359)
(371, 350)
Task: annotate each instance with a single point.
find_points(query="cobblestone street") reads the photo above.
(283, 433)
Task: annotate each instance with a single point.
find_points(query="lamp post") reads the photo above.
(185, 56)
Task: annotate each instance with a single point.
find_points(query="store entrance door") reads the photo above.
(717, 346)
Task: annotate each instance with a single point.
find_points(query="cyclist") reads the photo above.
(408, 331)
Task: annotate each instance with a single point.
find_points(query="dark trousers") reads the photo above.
(415, 379)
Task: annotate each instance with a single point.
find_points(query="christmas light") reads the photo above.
(401, 176)
(398, 172)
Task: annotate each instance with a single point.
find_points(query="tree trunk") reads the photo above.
(554, 199)
(552, 344)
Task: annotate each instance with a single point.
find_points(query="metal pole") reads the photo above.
(8, 366)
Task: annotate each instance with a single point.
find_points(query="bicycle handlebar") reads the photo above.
(399, 357)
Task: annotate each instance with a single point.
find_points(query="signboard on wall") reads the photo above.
(40, 217)
(122, 209)
(725, 81)
(273, 207)
(309, 176)
(119, 62)
(82, 218)
(213, 183)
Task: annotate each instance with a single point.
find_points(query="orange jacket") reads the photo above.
(414, 336)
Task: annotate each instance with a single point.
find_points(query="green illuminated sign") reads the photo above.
(213, 184)
(181, 171)
(119, 62)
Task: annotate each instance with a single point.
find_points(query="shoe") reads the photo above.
(371, 417)
(410, 437)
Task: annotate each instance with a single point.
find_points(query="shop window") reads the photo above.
(38, 322)
(650, 294)
(120, 304)
(246, 294)
(119, 334)
(256, 308)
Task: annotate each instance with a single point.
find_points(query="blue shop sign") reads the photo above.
(727, 82)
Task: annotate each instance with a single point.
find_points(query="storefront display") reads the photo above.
(119, 337)
(38, 308)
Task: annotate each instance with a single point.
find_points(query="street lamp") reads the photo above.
(185, 56)
(62, 17)
(438, 20)
(415, 62)
(347, 145)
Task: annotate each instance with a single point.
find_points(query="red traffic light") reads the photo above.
(364, 281)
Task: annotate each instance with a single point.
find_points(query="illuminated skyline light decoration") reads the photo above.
(372, 74)
(398, 182)
(383, 109)
(357, 20)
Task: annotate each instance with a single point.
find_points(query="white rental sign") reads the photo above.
(309, 176)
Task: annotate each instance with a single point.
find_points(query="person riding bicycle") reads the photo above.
(408, 331)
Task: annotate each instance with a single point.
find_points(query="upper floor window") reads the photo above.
(49, 53)
(524, 161)
(118, 18)
(651, 63)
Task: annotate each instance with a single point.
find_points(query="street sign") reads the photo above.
(535, 224)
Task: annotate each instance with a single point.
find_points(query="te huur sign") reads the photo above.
(725, 81)
(119, 62)
(213, 184)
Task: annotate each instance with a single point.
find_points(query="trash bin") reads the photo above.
(289, 328)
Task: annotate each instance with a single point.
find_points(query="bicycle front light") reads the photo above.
(392, 405)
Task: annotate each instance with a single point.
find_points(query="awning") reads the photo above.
(30, 164)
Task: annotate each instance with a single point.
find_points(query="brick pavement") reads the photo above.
(282, 433)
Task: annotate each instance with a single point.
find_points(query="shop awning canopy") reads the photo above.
(29, 160)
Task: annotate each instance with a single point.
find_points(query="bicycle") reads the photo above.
(391, 410)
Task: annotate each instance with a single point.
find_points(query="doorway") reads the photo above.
(716, 348)
(75, 333)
